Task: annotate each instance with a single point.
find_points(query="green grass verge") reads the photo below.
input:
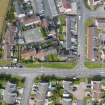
(3, 62)
(32, 65)
(92, 65)
(51, 65)
(60, 65)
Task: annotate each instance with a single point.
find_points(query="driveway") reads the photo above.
(80, 92)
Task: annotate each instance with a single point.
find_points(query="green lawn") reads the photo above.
(89, 22)
(51, 65)
(52, 57)
(62, 19)
(61, 37)
(3, 62)
(60, 65)
(92, 65)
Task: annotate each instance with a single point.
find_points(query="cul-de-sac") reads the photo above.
(52, 52)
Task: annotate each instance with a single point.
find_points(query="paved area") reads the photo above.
(80, 92)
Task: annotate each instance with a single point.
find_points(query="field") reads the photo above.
(3, 10)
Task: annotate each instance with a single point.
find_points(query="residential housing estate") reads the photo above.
(40, 26)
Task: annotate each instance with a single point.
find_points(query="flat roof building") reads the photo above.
(46, 8)
(50, 8)
(66, 101)
(32, 35)
(10, 93)
(95, 2)
(32, 20)
(71, 25)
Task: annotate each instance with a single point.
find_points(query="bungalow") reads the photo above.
(32, 36)
(50, 8)
(95, 2)
(100, 23)
(96, 90)
(66, 101)
(26, 55)
(10, 93)
(67, 85)
(23, 8)
(67, 7)
(32, 20)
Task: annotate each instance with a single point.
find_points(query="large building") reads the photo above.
(71, 30)
(46, 8)
(66, 101)
(50, 8)
(10, 93)
(96, 40)
(29, 21)
(91, 43)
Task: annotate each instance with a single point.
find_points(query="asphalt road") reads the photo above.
(31, 74)
(27, 90)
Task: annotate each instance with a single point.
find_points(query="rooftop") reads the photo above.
(30, 20)
(32, 35)
(91, 43)
(50, 8)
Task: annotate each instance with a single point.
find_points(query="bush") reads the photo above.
(1, 52)
(89, 22)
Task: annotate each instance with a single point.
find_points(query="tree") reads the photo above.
(10, 15)
(1, 52)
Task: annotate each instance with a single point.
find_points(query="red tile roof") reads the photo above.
(28, 54)
(27, 20)
(96, 89)
(100, 20)
(66, 4)
(89, 43)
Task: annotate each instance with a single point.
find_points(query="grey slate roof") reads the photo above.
(50, 8)
(10, 93)
(32, 35)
